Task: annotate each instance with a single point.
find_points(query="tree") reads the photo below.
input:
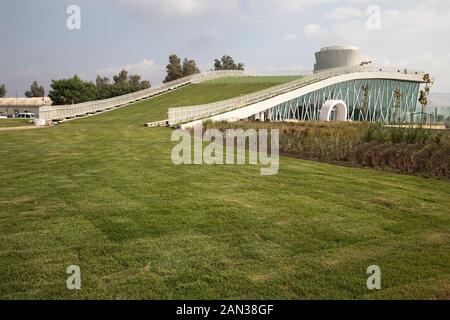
(137, 84)
(217, 65)
(36, 91)
(144, 84)
(423, 99)
(72, 90)
(2, 90)
(103, 88)
(190, 67)
(365, 102)
(123, 84)
(121, 78)
(174, 69)
(102, 81)
(227, 63)
(397, 106)
(135, 80)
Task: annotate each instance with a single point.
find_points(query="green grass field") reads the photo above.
(8, 123)
(255, 79)
(102, 193)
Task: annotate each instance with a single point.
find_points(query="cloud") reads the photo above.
(312, 31)
(291, 37)
(282, 6)
(344, 13)
(421, 20)
(297, 68)
(181, 8)
(28, 72)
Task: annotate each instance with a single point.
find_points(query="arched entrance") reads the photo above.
(334, 110)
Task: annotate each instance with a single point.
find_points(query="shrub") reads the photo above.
(406, 150)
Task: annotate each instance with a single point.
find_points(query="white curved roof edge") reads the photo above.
(372, 68)
(250, 110)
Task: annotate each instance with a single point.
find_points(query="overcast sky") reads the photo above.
(267, 35)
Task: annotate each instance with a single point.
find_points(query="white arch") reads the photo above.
(327, 108)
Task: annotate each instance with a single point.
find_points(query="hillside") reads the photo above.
(102, 193)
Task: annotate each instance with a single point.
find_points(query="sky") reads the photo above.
(269, 36)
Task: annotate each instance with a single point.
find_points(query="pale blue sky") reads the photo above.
(267, 35)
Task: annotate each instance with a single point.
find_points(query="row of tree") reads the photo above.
(176, 70)
(227, 63)
(75, 90)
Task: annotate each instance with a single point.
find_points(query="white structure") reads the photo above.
(303, 99)
(334, 106)
(337, 57)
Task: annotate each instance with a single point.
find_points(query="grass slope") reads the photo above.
(8, 123)
(103, 194)
(255, 79)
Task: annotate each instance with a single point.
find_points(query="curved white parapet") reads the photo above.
(329, 106)
(251, 109)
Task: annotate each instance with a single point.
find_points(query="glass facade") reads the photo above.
(374, 100)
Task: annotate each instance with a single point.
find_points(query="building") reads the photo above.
(11, 106)
(367, 93)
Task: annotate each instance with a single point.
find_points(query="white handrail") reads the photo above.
(49, 113)
(192, 113)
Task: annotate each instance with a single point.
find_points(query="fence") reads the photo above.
(192, 113)
(47, 113)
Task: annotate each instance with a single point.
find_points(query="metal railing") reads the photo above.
(81, 109)
(193, 113)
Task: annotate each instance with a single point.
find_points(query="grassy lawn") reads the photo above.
(8, 123)
(255, 79)
(102, 193)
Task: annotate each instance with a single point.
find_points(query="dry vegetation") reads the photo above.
(414, 151)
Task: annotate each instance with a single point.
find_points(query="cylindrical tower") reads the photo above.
(336, 57)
